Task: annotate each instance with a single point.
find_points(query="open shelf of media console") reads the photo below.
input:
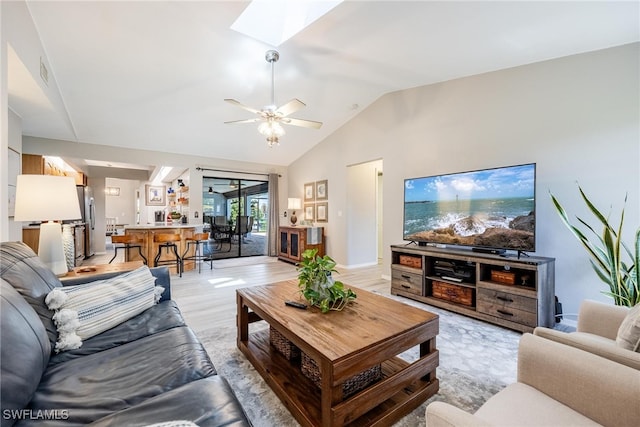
(517, 293)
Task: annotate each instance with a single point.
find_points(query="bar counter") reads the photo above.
(145, 232)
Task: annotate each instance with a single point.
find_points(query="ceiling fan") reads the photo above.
(271, 117)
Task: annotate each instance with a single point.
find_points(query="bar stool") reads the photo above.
(168, 241)
(127, 242)
(197, 239)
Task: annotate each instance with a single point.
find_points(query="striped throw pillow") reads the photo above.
(83, 311)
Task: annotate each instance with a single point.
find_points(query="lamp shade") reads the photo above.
(294, 203)
(53, 198)
(46, 197)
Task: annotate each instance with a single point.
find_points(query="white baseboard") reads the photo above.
(348, 267)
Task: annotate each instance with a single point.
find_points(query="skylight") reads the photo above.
(275, 21)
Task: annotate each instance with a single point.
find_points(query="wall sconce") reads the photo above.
(294, 203)
(48, 198)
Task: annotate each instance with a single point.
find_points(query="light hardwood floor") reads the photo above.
(208, 299)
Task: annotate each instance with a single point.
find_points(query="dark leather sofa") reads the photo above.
(149, 369)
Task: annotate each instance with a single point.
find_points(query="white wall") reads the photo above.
(576, 117)
(4, 128)
(14, 229)
(123, 206)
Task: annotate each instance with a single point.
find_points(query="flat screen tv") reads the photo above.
(490, 210)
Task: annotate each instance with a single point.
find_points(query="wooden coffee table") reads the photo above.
(372, 331)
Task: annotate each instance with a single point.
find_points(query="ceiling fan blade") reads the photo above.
(290, 107)
(237, 103)
(235, 122)
(301, 122)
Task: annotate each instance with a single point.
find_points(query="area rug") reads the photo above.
(476, 361)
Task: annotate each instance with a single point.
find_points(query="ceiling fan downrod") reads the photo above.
(272, 57)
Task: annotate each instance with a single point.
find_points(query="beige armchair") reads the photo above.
(558, 385)
(598, 325)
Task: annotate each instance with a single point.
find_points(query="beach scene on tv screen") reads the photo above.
(488, 208)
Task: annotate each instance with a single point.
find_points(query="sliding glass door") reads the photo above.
(235, 214)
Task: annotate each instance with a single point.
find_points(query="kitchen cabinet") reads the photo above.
(33, 164)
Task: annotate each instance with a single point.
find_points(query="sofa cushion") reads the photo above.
(158, 318)
(208, 402)
(629, 333)
(24, 350)
(94, 386)
(83, 311)
(23, 270)
(522, 405)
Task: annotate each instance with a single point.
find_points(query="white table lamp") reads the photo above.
(48, 198)
(293, 203)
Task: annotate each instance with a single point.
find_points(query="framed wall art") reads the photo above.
(309, 212)
(310, 192)
(155, 195)
(322, 212)
(322, 190)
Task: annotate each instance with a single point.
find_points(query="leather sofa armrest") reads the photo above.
(160, 273)
(440, 414)
(595, 344)
(598, 388)
(600, 319)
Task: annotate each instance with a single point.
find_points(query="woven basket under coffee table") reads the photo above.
(283, 345)
(351, 386)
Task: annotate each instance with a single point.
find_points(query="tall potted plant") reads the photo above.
(613, 261)
(316, 284)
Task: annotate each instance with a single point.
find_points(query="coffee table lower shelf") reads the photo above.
(302, 398)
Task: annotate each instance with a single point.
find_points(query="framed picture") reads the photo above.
(155, 195)
(310, 192)
(322, 190)
(322, 212)
(309, 212)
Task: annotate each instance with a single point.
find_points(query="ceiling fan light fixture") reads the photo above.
(272, 140)
(271, 128)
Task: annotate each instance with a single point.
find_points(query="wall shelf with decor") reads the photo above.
(517, 293)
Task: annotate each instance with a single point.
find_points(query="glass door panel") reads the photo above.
(237, 211)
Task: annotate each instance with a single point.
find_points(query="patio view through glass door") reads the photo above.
(235, 214)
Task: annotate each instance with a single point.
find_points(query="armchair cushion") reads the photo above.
(558, 385)
(523, 405)
(600, 319)
(592, 343)
(629, 333)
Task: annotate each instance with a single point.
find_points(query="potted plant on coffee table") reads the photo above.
(318, 287)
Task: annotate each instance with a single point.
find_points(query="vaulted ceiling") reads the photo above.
(153, 75)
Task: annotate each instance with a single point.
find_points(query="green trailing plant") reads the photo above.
(613, 261)
(318, 287)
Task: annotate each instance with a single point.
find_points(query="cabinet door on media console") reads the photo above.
(293, 241)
